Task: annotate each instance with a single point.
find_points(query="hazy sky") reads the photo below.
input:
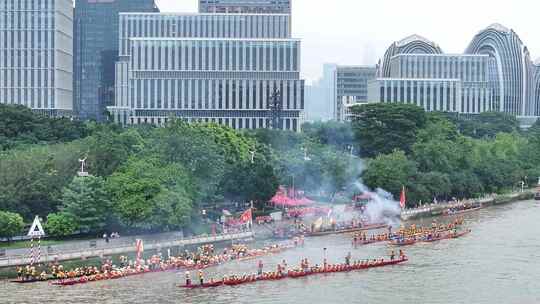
(359, 31)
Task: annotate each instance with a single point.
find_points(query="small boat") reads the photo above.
(537, 196)
(18, 281)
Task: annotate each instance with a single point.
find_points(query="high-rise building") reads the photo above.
(351, 87)
(36, 55)
(245, 6)
(230, 69)
(320, 96)
(96, 51)
(494, 74)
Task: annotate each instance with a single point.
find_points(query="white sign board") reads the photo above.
(36, 230)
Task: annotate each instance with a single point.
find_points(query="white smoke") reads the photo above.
(383, 208)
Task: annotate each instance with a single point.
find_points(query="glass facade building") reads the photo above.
(494, 74)
(245, 6)
(351, 87)
(36, 55)
(96, 51)
(220, 68)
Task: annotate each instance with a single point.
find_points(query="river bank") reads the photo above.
(438, 209)
(478, 268)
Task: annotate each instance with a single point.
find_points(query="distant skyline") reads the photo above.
(352, 32)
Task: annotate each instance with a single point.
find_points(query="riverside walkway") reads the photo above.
(18, 257)
(437, 209)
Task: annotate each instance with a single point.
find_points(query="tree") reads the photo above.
(20, 126)
(11, 224)
(87, 201)
(333, 133)
(60, 225)
(108, 149)
(390, 172)
(150, 195)
(380, 128)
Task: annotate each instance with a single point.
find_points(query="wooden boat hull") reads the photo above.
(304, 274)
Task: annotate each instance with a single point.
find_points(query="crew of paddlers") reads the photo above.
(204, 257)
(282, 272)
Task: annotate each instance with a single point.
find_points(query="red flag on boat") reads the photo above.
(402, 198)
(247, 216)
(139, 248)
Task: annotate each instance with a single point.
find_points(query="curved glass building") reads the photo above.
(413, 44)
(494, 74)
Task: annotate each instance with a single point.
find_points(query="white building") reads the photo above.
(221, 68)
(36, 55)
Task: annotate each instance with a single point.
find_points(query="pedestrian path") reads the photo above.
(112, 248)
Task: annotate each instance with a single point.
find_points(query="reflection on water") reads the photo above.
(497, 263)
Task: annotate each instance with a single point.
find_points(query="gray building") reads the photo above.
(220, 68)
(494, 74)
(36, 55)
(245, 6)
(351, 87)
(96, 51)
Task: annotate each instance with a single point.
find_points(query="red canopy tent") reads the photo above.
(281, 199)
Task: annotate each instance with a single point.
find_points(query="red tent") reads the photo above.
(280, 199)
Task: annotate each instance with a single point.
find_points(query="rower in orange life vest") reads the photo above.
(188, 278)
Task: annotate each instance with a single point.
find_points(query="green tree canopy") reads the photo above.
(87, 201)
(60, 225)
(11, 224)
(382, 127)
(150, 195)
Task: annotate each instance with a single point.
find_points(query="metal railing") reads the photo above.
(54, 254)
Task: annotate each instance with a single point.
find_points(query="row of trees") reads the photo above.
(156, 179)
(440, 156)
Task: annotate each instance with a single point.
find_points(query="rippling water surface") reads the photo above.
(499, 262)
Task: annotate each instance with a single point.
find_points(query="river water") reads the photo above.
(499, 262)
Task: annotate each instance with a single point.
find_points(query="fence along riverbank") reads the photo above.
(438, 209)
(19, 260)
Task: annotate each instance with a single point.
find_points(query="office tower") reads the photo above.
(351, 87)
(36, 55)
(225, 68)
(96, 51)
(245, 6)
